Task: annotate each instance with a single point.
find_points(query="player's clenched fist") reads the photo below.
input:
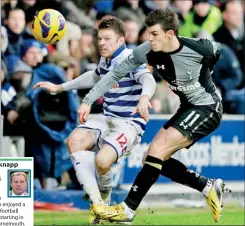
(83, 112)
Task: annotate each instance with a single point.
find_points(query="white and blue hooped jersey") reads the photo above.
(122, 99)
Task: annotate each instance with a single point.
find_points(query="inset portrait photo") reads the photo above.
(19, 183)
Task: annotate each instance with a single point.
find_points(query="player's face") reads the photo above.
(109, 41)
(18, 184)
(159, 39)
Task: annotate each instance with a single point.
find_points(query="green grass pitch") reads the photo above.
(171, 216)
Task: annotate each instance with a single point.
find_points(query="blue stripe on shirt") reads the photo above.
(97, 71)
(127, 83)
(123, 114)
(103, 71)
(115, 95)
(140, 124)
(122, 103)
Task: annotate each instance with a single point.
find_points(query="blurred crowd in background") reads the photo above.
(45, 120)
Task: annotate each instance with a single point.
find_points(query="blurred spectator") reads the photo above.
(201, 17)
(143, 35)
(25, 4)
(20, 79)
(73, 34)
(148, 6)
(8, 108)
(83, 17)
(227, 75)
(11, 62)
(69, 64)
(7, 4)
(104, 6)
(158, 4)
(132, 32)
(15, 24)
(52, 117)
(40, 5)
(30, 13)
(129, 9)
(182, 8)
(4, 40)
(231, 32)
(86, 47)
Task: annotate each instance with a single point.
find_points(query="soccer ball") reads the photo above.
(49, 26)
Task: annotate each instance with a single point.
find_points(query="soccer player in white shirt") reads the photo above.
(121, 127)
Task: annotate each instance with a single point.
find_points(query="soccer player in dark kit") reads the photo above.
(186, 64)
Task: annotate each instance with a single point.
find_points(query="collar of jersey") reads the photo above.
(117, 52)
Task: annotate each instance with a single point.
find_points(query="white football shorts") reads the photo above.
(121, 134)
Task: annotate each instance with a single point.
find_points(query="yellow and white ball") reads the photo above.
(49, 26)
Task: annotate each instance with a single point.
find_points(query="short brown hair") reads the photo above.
(112, 22)
(165, 17)
(18, 174)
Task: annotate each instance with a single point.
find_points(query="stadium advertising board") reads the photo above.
(221, 154)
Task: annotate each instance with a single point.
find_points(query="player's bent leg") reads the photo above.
(210, 188)
(167, 142)
(164, 144)
(80, 139)
(78, 143)
(104, 161)
(83, 161)
(105, 158)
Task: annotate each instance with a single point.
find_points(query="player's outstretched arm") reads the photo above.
(50, 87)
(84, 81)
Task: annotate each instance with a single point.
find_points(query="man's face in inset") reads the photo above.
(18, 184)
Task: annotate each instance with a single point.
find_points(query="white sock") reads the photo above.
(84, 165)
(127, 211)
(207, 188)
(105, 186)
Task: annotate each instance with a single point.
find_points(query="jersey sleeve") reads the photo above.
(204, 47)
(139, 53)
(141, 70)
(215, 52)
(212, 48)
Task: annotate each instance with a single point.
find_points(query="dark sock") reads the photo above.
(144, 180)
(177, 172)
